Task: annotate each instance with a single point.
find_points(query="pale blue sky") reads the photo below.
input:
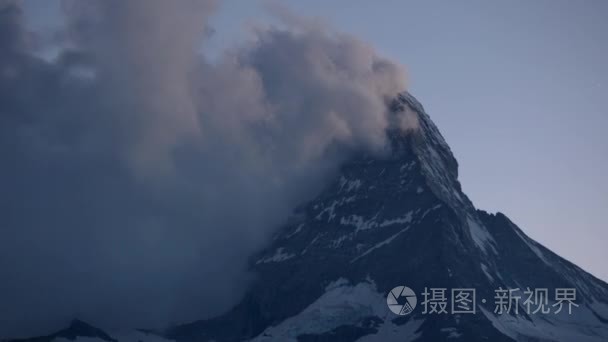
(518, 89)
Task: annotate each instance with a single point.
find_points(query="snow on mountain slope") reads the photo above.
(393, 220)
(342, 304)
(397, 220)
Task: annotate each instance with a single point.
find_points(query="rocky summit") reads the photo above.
(403, 220)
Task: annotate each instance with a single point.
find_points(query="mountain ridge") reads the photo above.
(352, 228)
(400, 220)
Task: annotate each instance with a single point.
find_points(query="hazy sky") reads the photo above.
(518, 89)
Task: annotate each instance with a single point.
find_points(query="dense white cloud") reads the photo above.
(138, 177)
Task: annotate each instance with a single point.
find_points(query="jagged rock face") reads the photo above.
(391, 220)
(400, 219)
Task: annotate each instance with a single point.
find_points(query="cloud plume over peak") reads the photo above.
(138, 176)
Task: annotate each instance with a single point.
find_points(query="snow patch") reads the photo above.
(383, 243)
(531, 245)
(359, 222)
(349, 185)
(330, 210)
(298, 229)
(481, 236)
(407, 166)
(391, 332)
(278, 256)
(426, 212)
(548, 327)
(338, 242)
(310, 244)
(400, 220)
(341, 304)
(451, 332)
(485, 270)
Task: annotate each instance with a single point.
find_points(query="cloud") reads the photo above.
(138, 177)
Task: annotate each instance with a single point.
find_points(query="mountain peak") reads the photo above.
(391, 221)
(399, 220)
(437, 161)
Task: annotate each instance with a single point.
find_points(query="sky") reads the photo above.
(516, 88)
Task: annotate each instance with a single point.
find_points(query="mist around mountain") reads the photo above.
(283, 191)
(401, 220)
